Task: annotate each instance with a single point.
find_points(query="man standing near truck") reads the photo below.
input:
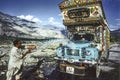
(16, 61)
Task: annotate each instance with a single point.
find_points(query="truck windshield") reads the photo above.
(83, 37)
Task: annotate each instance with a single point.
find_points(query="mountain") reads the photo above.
(52, 27)
(116, 34)
(16, 27)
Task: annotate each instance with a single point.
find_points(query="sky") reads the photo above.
(47, 11)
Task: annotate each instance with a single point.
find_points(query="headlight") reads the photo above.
(60, 52)
(72, 52)
(88, 53)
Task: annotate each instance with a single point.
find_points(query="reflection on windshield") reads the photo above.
(83, 37)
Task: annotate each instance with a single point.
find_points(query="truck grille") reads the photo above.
(73, 52)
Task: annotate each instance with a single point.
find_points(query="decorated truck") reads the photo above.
(89, 37)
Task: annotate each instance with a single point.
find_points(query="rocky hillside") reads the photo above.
(16, 27)
(116, 35)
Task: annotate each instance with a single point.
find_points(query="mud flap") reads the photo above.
(98, 70)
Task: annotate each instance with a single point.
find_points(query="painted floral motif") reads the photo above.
(94, 11)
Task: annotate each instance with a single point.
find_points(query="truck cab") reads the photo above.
(88, 34)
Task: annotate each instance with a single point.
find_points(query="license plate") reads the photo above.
(70, 70)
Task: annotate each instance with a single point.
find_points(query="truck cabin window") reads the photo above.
(83, 37)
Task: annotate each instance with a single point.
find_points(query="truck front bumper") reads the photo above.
(71, 69)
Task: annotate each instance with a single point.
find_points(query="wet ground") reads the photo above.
(111, 71)
(49, 71)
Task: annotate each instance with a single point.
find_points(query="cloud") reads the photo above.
(118, 19)
(116, 25)
(30, 18)
(118, 22)
(52, 21)
(113, 27)
(60, 15)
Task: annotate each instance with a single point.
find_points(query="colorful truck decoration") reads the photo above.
(89, 36)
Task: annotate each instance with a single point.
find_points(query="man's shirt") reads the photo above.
(15, 60)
